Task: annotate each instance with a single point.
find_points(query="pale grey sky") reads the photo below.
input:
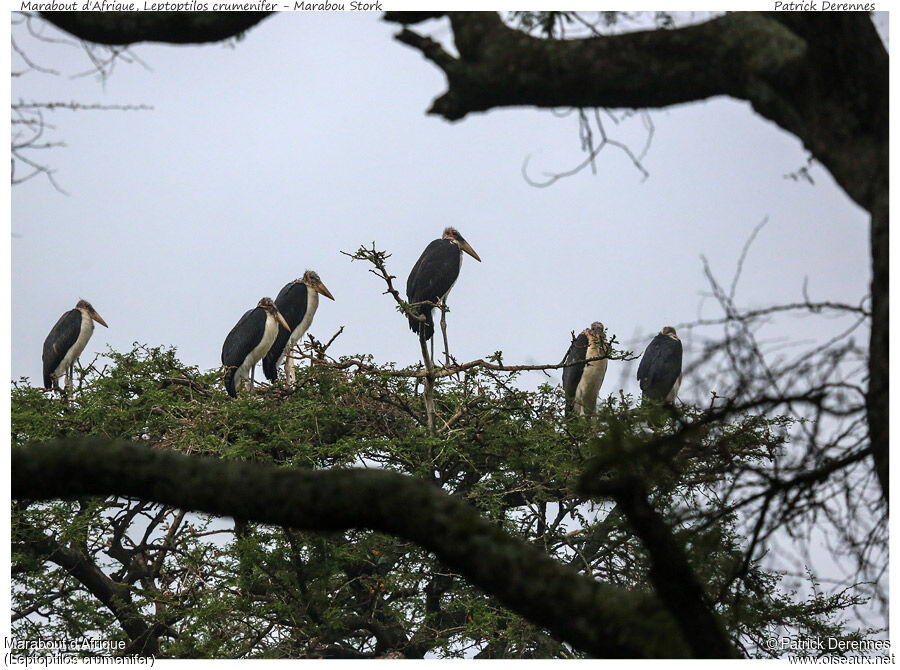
(309, 136)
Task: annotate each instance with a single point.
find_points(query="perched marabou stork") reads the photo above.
(433, 276)
(66, 341)
(297, 302)
(660, 370)
(249, 341)
(581, 382)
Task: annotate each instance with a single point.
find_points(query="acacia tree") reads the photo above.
(822, 77)
(440, 572)
(426, 558)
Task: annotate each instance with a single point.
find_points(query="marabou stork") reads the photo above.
(297, 302)
(660, 370)
(66, 341)
(431, 279)
(249, 341)
(581, 382)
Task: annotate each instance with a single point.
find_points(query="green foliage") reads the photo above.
(215, 588)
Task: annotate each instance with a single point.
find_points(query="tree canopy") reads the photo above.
(486, 538)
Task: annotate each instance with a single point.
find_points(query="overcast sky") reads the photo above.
(309, 136)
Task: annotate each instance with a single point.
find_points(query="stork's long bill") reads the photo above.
(465, 246)
(99, 319)
(451, 233)
(280, 319)
(320, 288)
(312, 281)
(270, 308)
(91, 312)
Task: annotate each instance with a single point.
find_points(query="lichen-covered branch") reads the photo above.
(600, 619)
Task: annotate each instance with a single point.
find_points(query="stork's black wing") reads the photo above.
(291, 302)
(572, 375)
(660, 367)
(244, 337)
(432, 277)
(61, 338)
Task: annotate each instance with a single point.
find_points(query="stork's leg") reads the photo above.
(432, 346)
(69, 373)
(244, 385)
(289, 371)
(429, 380)
(252, 370)
(444, 331)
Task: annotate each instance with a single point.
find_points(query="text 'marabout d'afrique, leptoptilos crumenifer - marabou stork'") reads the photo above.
(297, 302)
(66, 341)
(431, 279)
(581, 382)
(660, 370)
(249, 341)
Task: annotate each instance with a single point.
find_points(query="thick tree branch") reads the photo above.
(600, 619)
(501, 66)
(877, 396)
(116, 28)
(673, 577)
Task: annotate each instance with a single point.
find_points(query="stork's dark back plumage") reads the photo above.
(572, 375)
(61, 338)
(291, 302)
(660, 367)
(431, 279)
(245, 335)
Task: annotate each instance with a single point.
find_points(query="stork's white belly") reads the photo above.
(312, 304)
(674, 392)
(589, 385)
(87, 329)
(258, 351)
(447, 292)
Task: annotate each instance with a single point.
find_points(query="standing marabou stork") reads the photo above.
(431, 279)
(581, 382)
(660, 370)
(249, 341)
(66, 341)
(297, 302)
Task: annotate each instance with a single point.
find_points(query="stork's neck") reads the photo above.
(86, 321)
(312, 300)
(593, 350)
